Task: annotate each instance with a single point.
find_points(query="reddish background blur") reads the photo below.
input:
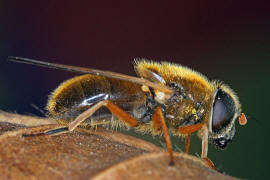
(225, 40)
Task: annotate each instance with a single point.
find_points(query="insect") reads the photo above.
(166, 99)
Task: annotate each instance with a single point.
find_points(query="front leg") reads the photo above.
(205, 148)
(188, 130)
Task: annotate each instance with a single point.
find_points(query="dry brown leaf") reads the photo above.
(83, 154)
(155, 166)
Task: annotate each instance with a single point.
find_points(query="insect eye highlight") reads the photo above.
(223, 110)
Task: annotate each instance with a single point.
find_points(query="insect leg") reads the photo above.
(159, 121)
(205, 148)
(51, 132)
(204, 142)
(189, 130)
(77, 121)
(115, 110)
(187, 146)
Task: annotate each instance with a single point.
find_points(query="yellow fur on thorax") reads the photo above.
(170, 72)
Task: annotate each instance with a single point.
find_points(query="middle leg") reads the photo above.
(159, 122)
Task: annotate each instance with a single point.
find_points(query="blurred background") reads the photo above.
(225, 40)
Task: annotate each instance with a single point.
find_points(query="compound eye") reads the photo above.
(223, 111)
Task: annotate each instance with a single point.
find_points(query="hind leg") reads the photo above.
(115, 110)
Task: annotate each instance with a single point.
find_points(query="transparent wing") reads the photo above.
(83, 70)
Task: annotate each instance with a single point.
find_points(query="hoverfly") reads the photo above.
(165, 99)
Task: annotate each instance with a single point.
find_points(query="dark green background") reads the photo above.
(224, 40)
